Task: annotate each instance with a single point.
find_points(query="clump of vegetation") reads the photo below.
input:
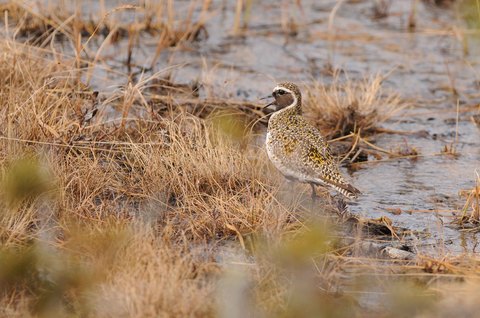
(346, 106)
(471, 208)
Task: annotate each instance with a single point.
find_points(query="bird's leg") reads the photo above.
(341, 205)
(314, 194)
(291, 186)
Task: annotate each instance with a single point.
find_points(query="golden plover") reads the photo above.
(297, 149)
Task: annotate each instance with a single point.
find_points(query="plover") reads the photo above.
(297, 148)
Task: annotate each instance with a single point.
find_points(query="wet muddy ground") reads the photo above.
(433, 65)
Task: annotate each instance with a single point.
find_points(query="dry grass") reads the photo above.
(172, 209)
(170, 25)
(153, 17)
(346, 106)
(108, 220)
(471, 208)
(126, 204)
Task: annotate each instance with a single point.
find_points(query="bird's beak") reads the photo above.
(269, 104)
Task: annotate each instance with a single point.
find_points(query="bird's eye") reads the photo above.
(281, 92)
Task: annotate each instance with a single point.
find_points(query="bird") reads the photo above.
(297, 149)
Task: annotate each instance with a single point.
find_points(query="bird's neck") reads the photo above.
(295, 109)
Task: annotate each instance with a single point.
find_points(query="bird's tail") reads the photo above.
(347, 190)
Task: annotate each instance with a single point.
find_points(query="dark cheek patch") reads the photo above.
(284, 100)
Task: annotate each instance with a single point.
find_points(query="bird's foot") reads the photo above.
(339, 202)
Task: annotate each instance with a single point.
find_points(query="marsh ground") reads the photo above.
(134, 180)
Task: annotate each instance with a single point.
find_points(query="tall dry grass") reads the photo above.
(104, 220)
(164, 213)
(345, 106)
(471, 209)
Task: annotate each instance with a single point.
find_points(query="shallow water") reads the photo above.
(425, 64)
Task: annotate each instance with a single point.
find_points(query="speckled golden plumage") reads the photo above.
(297, 148)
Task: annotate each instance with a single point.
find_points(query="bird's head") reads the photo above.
(285, 95)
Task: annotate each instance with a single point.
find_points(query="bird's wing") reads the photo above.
(321, 165)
